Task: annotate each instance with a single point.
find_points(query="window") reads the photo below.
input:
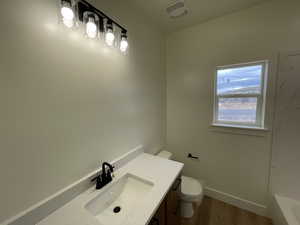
(240, 95)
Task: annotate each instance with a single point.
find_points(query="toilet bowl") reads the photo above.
(191, 194)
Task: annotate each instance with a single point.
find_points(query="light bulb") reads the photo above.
(68, 23)
(67, 12)
(91, 28)
(123, 44)
(68, 15)
(109, 37)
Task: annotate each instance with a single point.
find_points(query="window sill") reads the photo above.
(240, 130)
(239, 127)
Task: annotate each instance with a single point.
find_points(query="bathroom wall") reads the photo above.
(68, 103)
(285, 179)
(235, 163)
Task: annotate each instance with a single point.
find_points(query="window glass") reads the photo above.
(242, 80)
(241, 110)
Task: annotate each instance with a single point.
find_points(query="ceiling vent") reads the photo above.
(177, 9)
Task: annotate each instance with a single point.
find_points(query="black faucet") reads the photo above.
(105, 177)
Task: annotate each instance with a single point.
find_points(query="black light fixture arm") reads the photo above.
(85, 6)
(97, 24)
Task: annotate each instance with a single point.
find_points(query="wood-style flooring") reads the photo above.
(215, 212)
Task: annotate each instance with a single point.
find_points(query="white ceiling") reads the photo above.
(199, 11)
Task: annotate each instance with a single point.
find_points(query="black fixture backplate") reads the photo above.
(84, 6)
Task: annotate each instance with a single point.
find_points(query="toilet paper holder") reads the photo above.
(192, 157)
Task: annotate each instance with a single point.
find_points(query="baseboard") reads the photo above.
(37, 212)
(236, 201)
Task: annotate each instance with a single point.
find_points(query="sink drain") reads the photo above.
(117, 209)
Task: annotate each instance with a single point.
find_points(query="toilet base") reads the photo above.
(186, 209)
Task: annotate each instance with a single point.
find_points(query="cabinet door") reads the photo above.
(160, 215)
(173, 204)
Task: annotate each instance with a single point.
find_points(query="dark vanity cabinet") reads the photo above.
(160, 217)
(169, 212)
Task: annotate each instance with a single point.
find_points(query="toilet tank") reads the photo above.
(165, 154)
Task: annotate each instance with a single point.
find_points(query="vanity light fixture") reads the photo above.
(96, 23)
(109, 35)
(91, 28)
(124, 42)
(67, 13)
(91, 24)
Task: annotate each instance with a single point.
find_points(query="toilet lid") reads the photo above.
(191, 187)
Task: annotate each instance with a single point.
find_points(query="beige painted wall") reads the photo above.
(68, 103)
(230, 161)
(285, 179)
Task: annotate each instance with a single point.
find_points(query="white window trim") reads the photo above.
(261, 99)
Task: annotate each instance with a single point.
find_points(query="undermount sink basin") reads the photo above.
(114, 205)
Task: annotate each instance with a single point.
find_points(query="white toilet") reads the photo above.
(191, 191)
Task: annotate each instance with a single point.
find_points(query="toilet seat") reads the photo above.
(191, 189)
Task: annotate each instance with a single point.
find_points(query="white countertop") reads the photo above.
(161, 172)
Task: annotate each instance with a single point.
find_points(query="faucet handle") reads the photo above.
(111, 168)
